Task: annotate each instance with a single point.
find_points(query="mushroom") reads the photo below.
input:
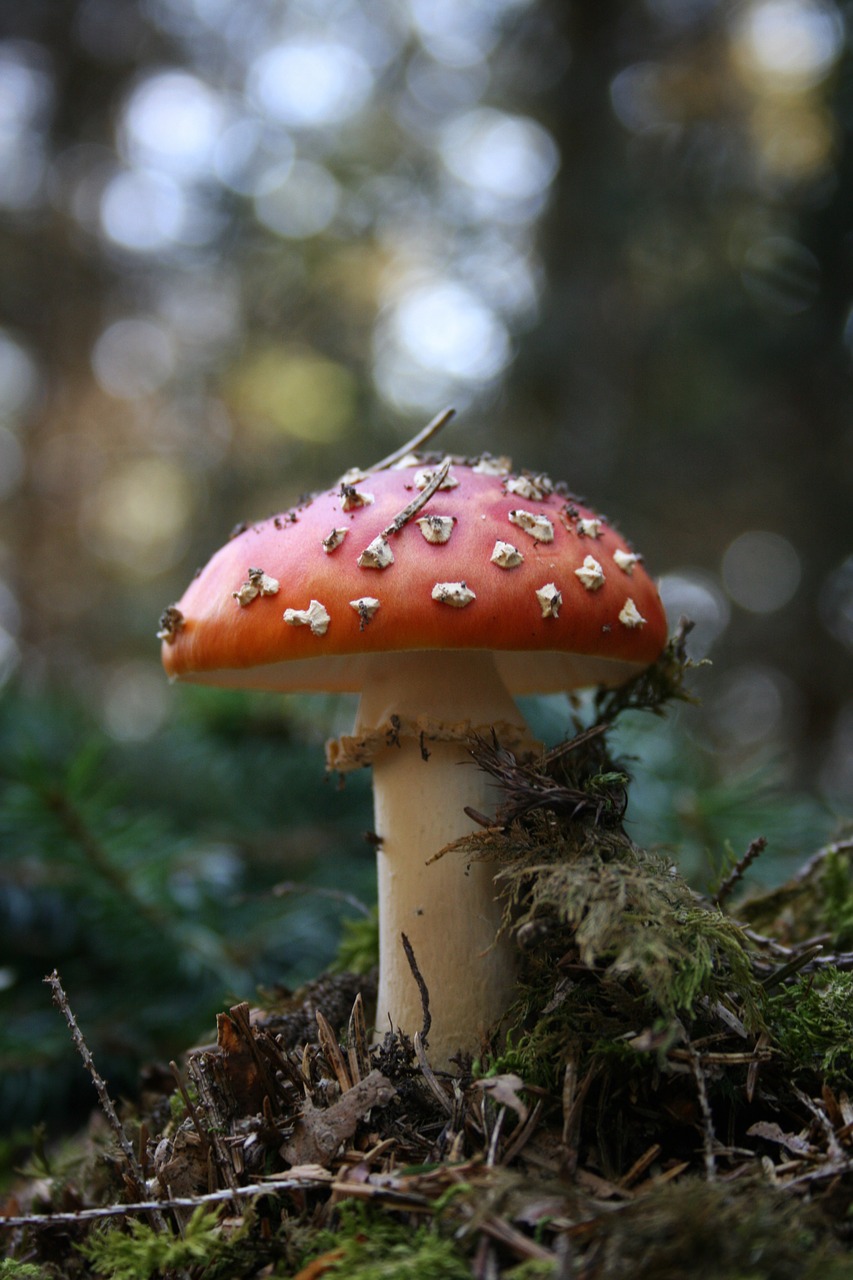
(437, 637)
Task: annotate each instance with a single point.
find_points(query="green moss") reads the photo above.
(144, 1252)
(374, 1246)
(837, 893)
(707, 1230)
(533, 1269)
(10, 1270)
(634, 916)
(812, 1025)
(358, 949)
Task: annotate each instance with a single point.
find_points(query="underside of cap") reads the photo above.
(522, 673)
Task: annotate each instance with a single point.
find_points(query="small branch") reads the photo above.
(431, 429)
(403, 517)
(313, 1177)
(834, 1148)
(709, 1137)
(190, 1105)
(756, 847)
(430, 1076)
(217, 1123)
(61, 1001)
(422, 988)
(828, 851)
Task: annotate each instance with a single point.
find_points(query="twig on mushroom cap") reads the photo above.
(403, 517)
(431, 429)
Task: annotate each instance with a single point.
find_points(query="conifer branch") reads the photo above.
(756, 847)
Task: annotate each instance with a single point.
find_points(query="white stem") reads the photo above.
(447, 908)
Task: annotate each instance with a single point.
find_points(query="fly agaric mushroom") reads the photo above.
(438, 589)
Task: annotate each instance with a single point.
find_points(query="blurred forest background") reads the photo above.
(246, 245)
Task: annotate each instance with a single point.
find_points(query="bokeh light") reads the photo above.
(696, 595)
(26, 100)
(790, 44)
(304, 84)
(836, 776)
(143, 210)
(508, 162)
(749, 708)
(438, 337)
(761, 571)
(460, 35)
(292, 391)
(836, 603)
(133, 358)
(135, 701)
(137, 517)
(10, 625)
(296, 199)
(172, 121)
(18, 377)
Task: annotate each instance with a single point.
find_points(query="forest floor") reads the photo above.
(667, 1096)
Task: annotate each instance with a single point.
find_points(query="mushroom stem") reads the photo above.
(446, 907)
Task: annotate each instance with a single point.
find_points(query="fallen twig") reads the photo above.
(306, 1179)
(60, 999)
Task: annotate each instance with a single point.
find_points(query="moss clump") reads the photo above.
(818, 900)
(638, 918)
(707, 1230)
(837, 896)
(358, 949)
(10, 1270)
(144, 1252)
(812, 1025)
(368, 1245)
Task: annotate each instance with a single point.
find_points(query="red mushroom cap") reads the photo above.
(491, 561)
